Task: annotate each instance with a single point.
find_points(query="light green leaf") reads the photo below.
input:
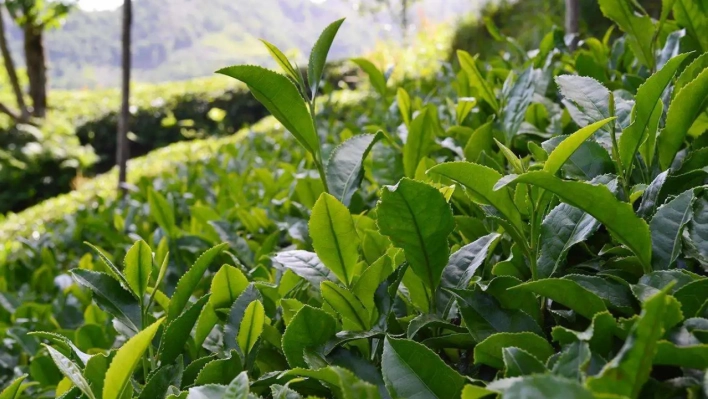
(228, 283)
(691, 356)
(376, 77)
(638, 28)
(371, 278)
(416, 217)
(469, 65)
(489, 351)
(70, 371)
(283, 62)
(251, 326)
(518, 362)
(627, 372)
(280, 96)
(480, 140)
(420, 141)
(667, 230)
(318, 55)
(126, 360)
(567, 147)
(138, 267)
(547, 387)
(345, 168)
(412, 370)
(189, 281)
(311, 328)
(479, 181)
(648, 148)
(163, 213)
(618, 217)
(238, 388)
(346, 304)
(683, 111)
(334, 237)
(566, 292)
(13, 390)
(404, 105)
(647, 96)
(694, 17)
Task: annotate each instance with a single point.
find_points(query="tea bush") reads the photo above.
(531, 228)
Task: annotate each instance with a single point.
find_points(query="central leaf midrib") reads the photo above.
(336, 243)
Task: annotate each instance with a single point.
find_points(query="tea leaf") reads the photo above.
(177, 332)
(251, 326)
(489, 351)
(667, 229)
(416, 217)
(469, 65)
(282, 99)
(334, 237)
(309, 329)
(345, 168)
(138, 267)
(346, 304)
(518, 362)
(420, 141)
(377, 78)
(70, 371)
(126, 360)
(412, 370)
(111, 296)
(637, 28)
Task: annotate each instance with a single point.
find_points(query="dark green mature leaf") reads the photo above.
(220, 371)
(547, 387)
(489, 351)
(334, 237)
(585, 98)
(627, 372)
(484, 316)
(346, 304)
(693, 16)
(461, 267)
(573, 361)
(683, 111)
(647, 96)
(479, 181)
(138, 267)
(564, 227)
(280, 96)
(692, 297)
(126, 360)
(189, 281)
(637, 28)
(698, 229)
(345, 168)
(618, 217)
(311, 328)
(412, 370)
(691, 72)
(306, 265)
(111, 296)
(566, 292)
(416, 217)
(71, 371)
(468, 64)
(616, 295)
(160, 381)
(516, 102)
(419, 143)
(667, 229)
(518, 362)
(177, 332)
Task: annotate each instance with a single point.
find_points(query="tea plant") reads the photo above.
(522, 230)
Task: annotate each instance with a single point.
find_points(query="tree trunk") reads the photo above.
(36, 68)
(572, 21)
(12, 73)
(124, 120)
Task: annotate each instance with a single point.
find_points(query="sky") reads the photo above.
(100, 4)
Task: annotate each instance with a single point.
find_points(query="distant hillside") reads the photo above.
(181, 39)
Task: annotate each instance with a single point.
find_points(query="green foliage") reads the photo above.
(559, 260)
